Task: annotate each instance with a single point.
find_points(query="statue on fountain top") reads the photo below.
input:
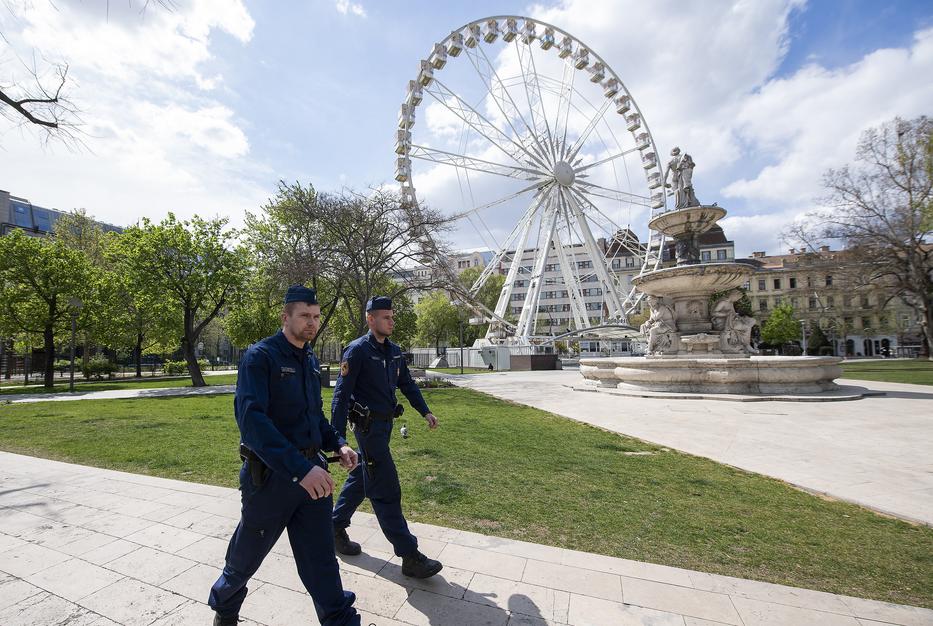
(680, 169)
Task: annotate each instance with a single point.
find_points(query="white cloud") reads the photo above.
(157, 136)
(345, 7)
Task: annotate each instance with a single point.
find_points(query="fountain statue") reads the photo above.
(696, 340)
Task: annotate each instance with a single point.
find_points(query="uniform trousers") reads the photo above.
(381, 487)
(267, 510)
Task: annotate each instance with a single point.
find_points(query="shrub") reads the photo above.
(98, 366)
(62, 365)
(177, 368)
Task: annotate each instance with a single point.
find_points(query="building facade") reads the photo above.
(830, 289)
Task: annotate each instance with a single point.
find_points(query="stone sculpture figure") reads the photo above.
(735, 329)
(660, 327)
(680, 169)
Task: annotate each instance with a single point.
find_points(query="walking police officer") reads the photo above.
(284, 479)
(372, 368)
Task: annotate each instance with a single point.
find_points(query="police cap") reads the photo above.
(379, 303)
(300, 293)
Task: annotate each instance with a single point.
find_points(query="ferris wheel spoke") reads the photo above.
(434, 155)
(511, 196)
(592, 189)
(478, 122)
(618, 155)
(539, 120)
(502, 97)
(578, 144)
(564, 104)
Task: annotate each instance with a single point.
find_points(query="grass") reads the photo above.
(514, 471)
(915, 371)
(107, 385)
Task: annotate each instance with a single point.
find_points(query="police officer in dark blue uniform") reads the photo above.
(284, 479)
(372, 368)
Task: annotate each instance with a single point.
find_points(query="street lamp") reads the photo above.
(76, 305)
(803, 336)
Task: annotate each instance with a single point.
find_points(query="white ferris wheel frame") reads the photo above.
(538, 157)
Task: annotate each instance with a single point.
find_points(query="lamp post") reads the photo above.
(803, 336)
(76, 305)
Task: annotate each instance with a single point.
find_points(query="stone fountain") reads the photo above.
(697, 342)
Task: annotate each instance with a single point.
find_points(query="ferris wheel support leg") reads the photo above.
(527, 321)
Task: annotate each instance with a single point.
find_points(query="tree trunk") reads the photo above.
(138, 351)
(188, 345)
(49, 346)
(927, 329)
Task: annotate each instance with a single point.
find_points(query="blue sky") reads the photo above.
(203, 109)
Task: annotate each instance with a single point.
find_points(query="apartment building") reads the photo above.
(830, 288)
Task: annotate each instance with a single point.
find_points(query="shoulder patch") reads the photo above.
(344, 368)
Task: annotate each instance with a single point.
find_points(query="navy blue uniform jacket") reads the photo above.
(278, 406)
(370, 374)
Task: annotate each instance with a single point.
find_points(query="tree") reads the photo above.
(881, 208)
(191, 265)
(438, 319)
(487, 295)
(781, 327)
(816, 340)
(38, 279)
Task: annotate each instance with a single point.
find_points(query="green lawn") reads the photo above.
(132, 383)
(514, 471)
(916, 371)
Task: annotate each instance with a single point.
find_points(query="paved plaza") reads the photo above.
(874, 451)
(90, 547)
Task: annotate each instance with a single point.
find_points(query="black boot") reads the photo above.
(419, 566)
(226, 621)
(343, 544)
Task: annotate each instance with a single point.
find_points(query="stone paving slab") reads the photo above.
(874, 451)
(67, 557)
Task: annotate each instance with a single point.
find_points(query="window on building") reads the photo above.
(552, 267)
(830, 302)
(865, 303)
(793, 282)
(762, 305)
(794, 302)
(829, 280)
(866, 322)
(811, 303)
(847, 301)
(518, 296)
(777, 302)
(629, 261)
(809, 281)
(761, 285)
(848, 322)
(721, 255)
(777, 283)
(516, 310)
(616, 264)
(584, 265)
(704, 256)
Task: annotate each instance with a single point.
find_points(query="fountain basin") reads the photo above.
(693, 280)
(738, 375)
(691, 220)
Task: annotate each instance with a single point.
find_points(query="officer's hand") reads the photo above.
(318, 483)
(348, 458)
(432, 421)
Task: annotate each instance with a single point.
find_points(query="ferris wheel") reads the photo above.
(534, 142)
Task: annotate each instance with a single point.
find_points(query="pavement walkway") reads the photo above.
(90, 547)
(118, 394)
(874, 451)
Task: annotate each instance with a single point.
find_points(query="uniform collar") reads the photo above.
(371, 338)
(288, 345)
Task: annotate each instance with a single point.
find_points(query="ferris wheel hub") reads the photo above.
(563, 173)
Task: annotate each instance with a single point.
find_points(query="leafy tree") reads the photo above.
(781, 327)
(817, 340)
(39, 277)
(191, 265)
(438, 319)
(881, 208)
(487, 295)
